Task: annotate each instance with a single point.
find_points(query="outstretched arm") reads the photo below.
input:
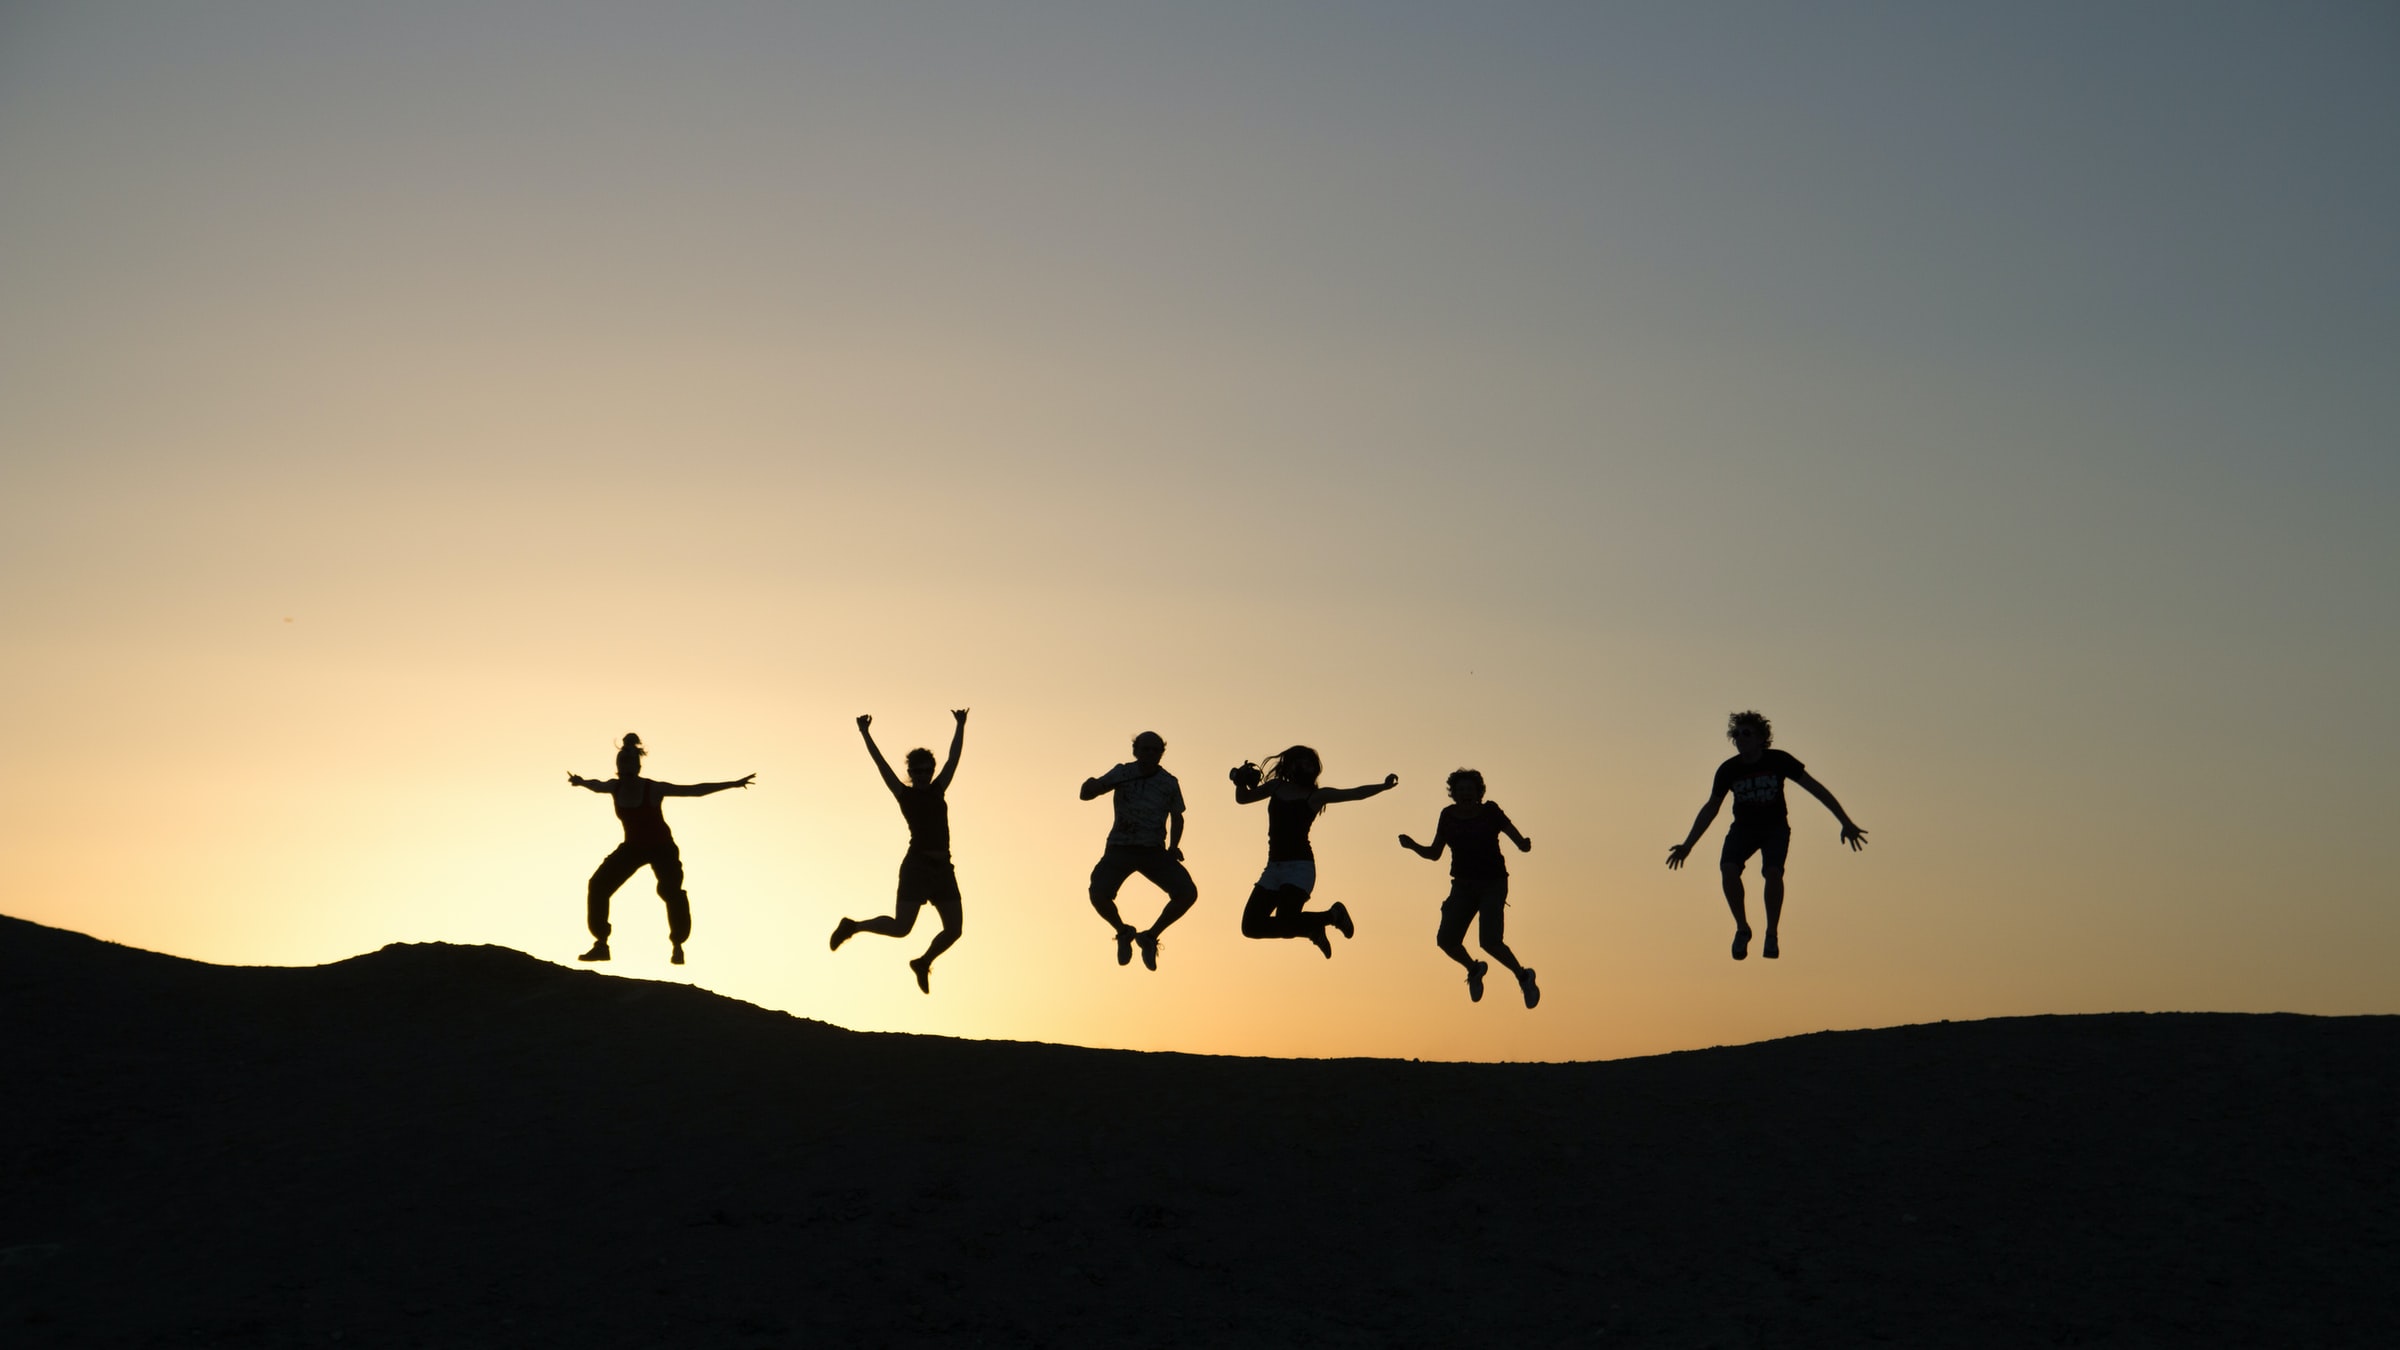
(588, 784)
(1855, 837)
(702, 789)
(1328, 796)
(958, 738)
(1700, 824)
(890, 780)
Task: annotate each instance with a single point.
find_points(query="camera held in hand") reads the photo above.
(1246, 776)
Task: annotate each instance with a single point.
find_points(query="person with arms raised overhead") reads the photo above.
(1288, 785)
(1470, 828)
(647, 844)
(1147, 838)
(926, 874)
(1754, 777)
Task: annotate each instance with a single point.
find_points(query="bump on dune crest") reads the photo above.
(440, 1145)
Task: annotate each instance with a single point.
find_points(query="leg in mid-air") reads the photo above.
(1167, 872)
(1108, 877)
(953, 916)
(613, 872)
(1770, 874)
(1732, 874)
(667, 865)
(1277, 912)
(1491, 934)
(1450, 936)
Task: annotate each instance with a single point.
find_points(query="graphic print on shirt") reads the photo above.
(1757, 787)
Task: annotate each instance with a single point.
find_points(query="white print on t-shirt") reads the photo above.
(1764, 788)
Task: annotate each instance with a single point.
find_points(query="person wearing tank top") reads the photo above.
(926, 876)
(1288, 785)
(648, 843)
(1471, 828)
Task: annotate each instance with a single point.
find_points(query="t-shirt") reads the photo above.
(1144, 801)
(1288, 819)
(1757, 787)
(638, 801)
(1473, 835)
(928, 818)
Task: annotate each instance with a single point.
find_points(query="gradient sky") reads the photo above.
(398, 403)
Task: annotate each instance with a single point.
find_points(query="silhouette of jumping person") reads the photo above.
(1147, 838)
(647, 844)
(926, 876)
(1755, 776)
(1471, 828)
(1288, 785)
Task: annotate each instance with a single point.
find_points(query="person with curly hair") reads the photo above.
(926, 874)
(1471, 828)
(1754, 778)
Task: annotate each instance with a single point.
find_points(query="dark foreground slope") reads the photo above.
(450, 1146)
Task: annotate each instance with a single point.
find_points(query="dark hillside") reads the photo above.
(462, 1146)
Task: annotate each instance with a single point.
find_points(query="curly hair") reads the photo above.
(1468, 778)
(1756, 721)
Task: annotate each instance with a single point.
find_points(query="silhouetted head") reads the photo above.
(1466, 787)
(920, 766)
(1749, 731)
(629, 757)
(1149, 747)
(1298, 765)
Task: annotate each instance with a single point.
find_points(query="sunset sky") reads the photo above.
(399, 403)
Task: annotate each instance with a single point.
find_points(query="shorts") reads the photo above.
(1295, 872)
(1774, 841)
(1123, 860)
(929, 881)
(1471, 898)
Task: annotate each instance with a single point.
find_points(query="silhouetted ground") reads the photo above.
(463, 1146)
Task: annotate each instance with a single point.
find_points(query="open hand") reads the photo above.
(1676, 855)
(1855, 837)
(959, 713)
(574, 779)
(746, 780)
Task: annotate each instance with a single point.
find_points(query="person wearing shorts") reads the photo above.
(1277, 907)
(1754, 778)
(926, 874)
(648, 843)
(1147, 838)
(1470, 828)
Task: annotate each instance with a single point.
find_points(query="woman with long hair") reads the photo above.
(1288, 785)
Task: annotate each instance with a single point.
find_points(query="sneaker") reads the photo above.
(1768, 949)
(1475, 981)
(842, 932)
(1339, 916)
(1148, 942)
(924, 969)
(1741, 944)
(1533, 992)
(599, 952)
(1324, 943)
(675, 957)
(1124, 945)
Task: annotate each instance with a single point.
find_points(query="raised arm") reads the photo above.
(1855, 837)
(958, 739)
(1700, 824)
(890, 780)
(702, 789)
(1248, 785)
(1328, 796)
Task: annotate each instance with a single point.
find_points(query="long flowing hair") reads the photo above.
(1299, 766)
